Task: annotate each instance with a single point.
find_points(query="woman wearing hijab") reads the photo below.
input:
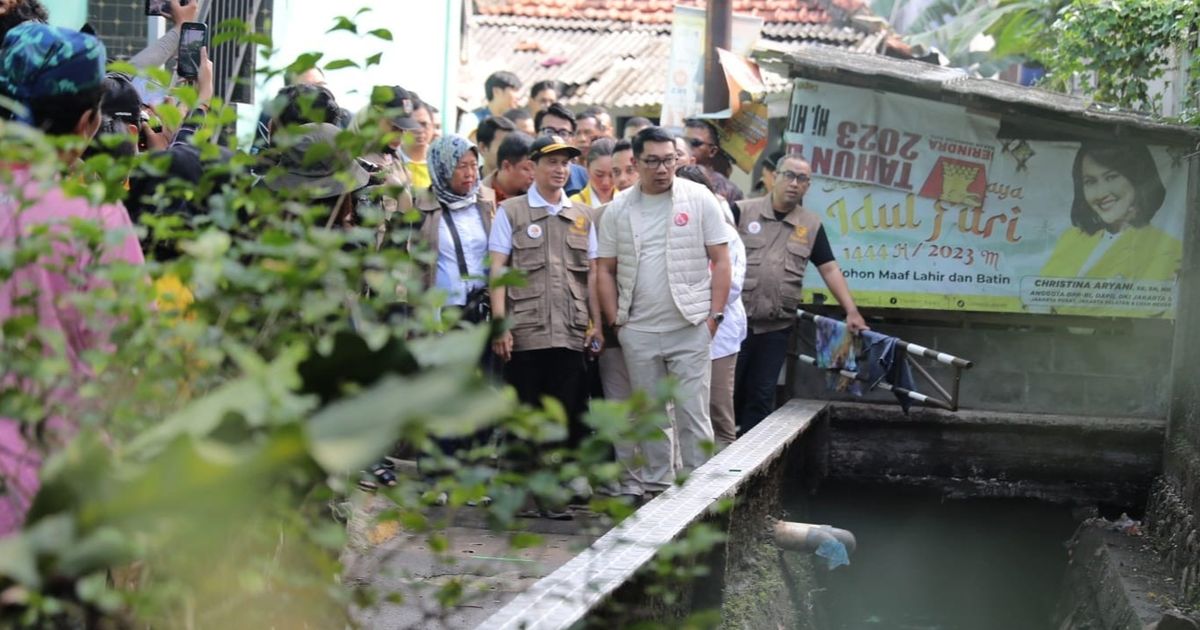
(456, 218)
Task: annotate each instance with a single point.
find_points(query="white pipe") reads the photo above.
(807, 537)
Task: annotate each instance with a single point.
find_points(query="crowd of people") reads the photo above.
(642, 260)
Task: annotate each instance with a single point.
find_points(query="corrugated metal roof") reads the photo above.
(953, 85)
(608, 62)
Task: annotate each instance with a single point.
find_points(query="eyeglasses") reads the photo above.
(789, 177)
(697, 143)
(555, 131)
(655, 163)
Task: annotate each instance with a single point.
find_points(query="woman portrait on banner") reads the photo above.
(1118, 191)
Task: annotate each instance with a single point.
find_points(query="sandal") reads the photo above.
(383, 471)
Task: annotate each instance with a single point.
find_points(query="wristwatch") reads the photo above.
(717, 317)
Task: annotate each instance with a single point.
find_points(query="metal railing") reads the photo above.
(947, 396)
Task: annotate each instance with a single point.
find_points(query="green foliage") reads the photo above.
(217, 442)
(1111, 50)
(952, 26)
(1117, 48)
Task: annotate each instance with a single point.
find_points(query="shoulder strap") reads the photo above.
(458, 248)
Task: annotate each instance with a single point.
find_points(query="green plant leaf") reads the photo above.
(351, 433)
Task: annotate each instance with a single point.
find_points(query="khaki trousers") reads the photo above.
(684, 355)
(614, 379)
(721, 403)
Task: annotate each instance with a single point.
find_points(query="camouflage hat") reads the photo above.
(312, 163)
(38, 61)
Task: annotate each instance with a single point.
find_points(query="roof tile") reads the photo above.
(611, 61)
(660, 11)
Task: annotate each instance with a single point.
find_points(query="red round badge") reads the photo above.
(681, 219)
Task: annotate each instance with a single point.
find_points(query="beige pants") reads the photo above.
(684, 355)
(614, 379)
(721, 403)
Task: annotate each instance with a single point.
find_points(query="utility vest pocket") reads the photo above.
(757, 299)
(576, 261)
(755, 248)
(530, 253)
(576, 258)
(795, 263)
(579, 316)
(526, 313)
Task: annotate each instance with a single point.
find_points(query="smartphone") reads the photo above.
(161, 8)
(192, 37)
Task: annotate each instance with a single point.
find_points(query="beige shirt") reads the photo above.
(695, 222)
(653, 309)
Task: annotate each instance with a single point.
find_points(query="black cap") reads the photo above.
(547, 145)
(121, 99)
(398, 105)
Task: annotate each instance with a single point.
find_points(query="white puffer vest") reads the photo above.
(687, 269)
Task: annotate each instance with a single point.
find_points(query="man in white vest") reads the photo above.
(663, 277)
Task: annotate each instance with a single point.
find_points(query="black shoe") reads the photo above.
(383, 471)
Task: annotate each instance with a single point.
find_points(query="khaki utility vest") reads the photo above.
(777, 255)
(551, 310)
(687, 269)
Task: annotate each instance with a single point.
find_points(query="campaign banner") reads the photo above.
(927, 207)
(684, 96)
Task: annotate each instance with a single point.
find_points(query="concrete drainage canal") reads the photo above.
(930, 563)
(971, 521)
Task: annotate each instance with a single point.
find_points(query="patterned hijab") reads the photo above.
(442, 158)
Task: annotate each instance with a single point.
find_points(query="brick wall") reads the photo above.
(1037, 365)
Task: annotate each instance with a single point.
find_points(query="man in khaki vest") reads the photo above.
(781, 238)
(553, 241)
(664, 277)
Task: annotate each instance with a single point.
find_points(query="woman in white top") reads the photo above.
(732, 331)
(458, 219)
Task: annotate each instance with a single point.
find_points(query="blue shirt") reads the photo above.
(577, 180)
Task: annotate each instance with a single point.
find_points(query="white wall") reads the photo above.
(422, 57)
(67, 13)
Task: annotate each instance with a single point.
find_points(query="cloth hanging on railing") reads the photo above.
(837, 349)
(871, 354)
(884, 362)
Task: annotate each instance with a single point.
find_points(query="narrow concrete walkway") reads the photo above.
(403, 569)
(567, 595)
(577, 566)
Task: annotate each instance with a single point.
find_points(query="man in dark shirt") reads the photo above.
(781, 238)
(706, 152)
(514, 170)
(502, 90)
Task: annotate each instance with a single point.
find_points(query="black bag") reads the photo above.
(478, 308)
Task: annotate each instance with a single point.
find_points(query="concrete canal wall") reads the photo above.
(1175, 503)
(1034, 364)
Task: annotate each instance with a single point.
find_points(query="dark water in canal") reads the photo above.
(927, 564)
